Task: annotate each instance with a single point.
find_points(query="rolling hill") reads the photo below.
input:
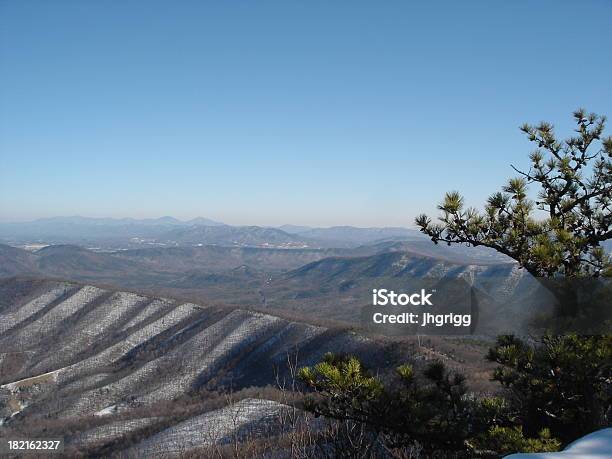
(339, 287)
(334, 283)
(115, 371)
(15, 261)
(350, 236)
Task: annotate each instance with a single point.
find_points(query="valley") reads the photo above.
(167, 349)
(148, 375)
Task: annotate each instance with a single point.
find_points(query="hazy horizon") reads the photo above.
(319, 114)
(188, 219)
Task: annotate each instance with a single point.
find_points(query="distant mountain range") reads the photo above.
(334, 283)
(127, 233)
(245, 236)
(76, 262)
(309, 271)
(108, 233)
(347, 236)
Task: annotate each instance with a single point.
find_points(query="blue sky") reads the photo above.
(272, 112)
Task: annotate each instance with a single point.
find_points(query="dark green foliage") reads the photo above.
(564, 383)
(575, 180)
(433, 411)
(507, 440)
(560, 387)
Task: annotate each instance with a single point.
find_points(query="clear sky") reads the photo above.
(272, 112)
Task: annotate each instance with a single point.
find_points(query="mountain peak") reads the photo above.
(204, 222)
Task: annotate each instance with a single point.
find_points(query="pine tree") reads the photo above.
(557, 389)
(575, 180)
(563, 382)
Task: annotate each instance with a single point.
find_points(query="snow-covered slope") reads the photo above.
(597, 445)
(108, 364)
